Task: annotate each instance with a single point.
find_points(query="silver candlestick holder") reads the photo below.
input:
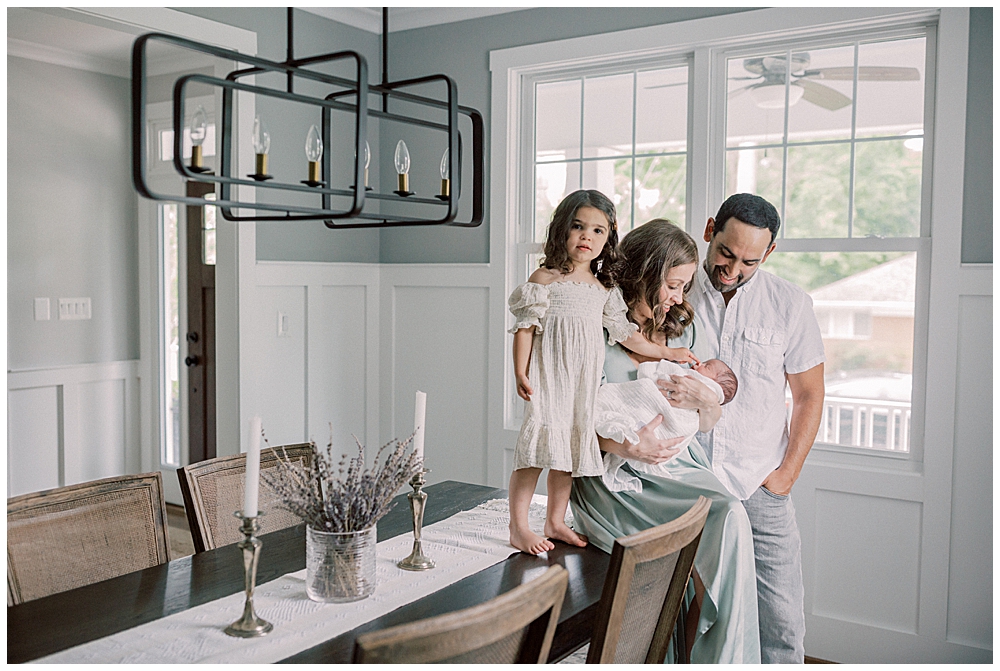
(250, 625)
(417, 561)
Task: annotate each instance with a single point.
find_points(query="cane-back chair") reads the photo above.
(644, 588)
(213, 491)
(516, 627)
(68, 537)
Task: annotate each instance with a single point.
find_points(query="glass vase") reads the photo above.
(340, 567)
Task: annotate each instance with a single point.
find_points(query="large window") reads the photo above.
(829, 127)
(833, 136)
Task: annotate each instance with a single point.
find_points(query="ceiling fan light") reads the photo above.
(772, 96)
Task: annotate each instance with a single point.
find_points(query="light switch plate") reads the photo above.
(74, 308)
(282, 325)
(42, 310)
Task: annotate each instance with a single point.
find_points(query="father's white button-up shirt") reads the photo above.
(768, 329)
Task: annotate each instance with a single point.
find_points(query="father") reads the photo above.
(765, 329)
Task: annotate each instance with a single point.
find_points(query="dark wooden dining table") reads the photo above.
(61, 621)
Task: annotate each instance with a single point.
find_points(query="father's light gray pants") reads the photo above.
(777, 551)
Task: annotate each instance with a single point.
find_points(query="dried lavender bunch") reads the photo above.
(353, 497)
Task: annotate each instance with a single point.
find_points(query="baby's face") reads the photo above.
(710, 368)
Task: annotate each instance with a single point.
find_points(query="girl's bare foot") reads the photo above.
(530, 542)
(561, 532)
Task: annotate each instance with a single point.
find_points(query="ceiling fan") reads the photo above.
(767, 80)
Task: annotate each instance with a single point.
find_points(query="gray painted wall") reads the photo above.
(288, 125)
(977, 205)
(71, 215)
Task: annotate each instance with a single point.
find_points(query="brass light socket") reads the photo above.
(445, 187)
(261, 165)
(196, 156)
(404, 182)
(313, 171)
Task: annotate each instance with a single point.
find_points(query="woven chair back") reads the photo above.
(516, 627)
(644, 588)
(213, 491)
(64, 538)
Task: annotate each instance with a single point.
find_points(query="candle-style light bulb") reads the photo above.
(314, 152)
(402, 159)
(368, 160)
(261, 144)
(446, 173)
(199, 124)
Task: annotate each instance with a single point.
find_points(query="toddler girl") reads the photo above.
(558, 360)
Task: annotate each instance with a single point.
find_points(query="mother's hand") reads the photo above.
(688, 393)
(649, 449)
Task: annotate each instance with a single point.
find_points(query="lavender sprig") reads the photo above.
(346, 497)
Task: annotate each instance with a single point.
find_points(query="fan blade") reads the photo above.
(664, 86)
(735, 93)
(871, 73)
(823, 96)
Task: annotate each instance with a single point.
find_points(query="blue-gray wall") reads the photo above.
(977, 204)
(71, 215)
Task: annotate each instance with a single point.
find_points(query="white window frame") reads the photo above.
(707, 42)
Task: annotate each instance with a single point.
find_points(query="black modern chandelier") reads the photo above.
(351, 205)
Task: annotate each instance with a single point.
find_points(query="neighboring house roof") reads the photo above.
(888, 288)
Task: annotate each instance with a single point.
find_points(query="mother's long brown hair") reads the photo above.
(647, 254)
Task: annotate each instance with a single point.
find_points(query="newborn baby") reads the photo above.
(624, 408)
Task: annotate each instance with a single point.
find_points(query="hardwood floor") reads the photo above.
(178, 532)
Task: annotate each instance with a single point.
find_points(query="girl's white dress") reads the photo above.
(567, 358)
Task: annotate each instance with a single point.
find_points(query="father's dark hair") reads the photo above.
(749, 209)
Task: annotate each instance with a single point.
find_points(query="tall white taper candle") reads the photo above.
(419, 415)
(253, 470)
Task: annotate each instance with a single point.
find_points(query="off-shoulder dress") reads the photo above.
(567, 359)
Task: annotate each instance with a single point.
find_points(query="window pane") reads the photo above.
(756, 107)
(891, 88)
(607, 115)
(887, 188)
(553, 182)
(757, 171)
(864, 303)
(826, 78)
(170, 398)
(818, 187)
(661, 111)
(208, 233)
(660, 183)
(557, 120)
(613, 178)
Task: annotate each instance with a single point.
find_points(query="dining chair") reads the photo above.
(643, 590)
(515, 627)
(213, 491)
(63, 538)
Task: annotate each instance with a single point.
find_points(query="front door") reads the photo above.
(200, 336)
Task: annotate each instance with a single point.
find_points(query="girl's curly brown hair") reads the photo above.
(646, 255)
(557, 258)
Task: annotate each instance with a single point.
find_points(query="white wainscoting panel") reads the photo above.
(436, 334)
(880, 584)
(279, 370)
(970, 569)
(34, 440)
(322, 370)
(72, 424)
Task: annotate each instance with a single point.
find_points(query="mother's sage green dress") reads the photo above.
(727, 628)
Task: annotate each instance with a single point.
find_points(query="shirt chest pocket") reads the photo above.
(764, 350)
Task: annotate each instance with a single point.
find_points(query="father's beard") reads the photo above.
(713, 277)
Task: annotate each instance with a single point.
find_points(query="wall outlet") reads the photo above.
(74, 308)
(42, 309)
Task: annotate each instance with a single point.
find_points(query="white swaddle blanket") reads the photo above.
(625, 407)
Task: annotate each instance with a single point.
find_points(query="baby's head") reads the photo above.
(722, 374)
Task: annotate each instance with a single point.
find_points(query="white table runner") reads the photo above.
(461, 545)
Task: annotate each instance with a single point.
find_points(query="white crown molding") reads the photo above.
(404, 18)
(65, 58)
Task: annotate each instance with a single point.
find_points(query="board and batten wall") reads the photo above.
(335, 350)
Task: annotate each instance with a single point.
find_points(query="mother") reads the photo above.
(659, 261)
